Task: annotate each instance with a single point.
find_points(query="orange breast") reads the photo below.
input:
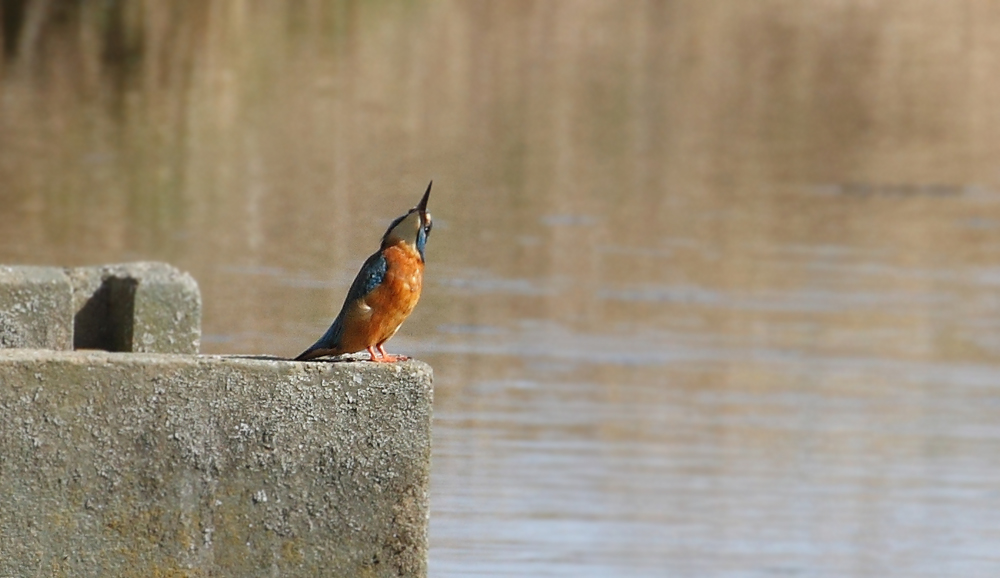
(379, 314)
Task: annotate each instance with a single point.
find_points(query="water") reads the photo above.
(712, 289)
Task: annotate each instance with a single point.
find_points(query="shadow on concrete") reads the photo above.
(106, 321)
(349, 358)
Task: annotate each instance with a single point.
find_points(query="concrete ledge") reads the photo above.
(143, 307)
(167, 465)
(36, 308)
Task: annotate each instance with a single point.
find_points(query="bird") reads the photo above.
(384, 292)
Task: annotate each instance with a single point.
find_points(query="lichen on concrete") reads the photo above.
(144, 464)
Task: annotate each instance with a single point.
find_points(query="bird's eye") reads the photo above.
(428, 224)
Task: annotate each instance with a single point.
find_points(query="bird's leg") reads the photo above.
(372, 353)
(389, 358)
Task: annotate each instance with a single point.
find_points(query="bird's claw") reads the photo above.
(386, 357)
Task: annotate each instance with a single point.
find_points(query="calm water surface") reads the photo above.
(713, 290)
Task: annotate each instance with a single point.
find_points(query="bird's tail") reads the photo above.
(329, 344)
(313, 353)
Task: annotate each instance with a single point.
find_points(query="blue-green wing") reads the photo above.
(369, 277)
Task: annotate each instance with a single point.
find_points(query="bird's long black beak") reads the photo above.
(422, 205)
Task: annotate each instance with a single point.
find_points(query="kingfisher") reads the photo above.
(383, 294)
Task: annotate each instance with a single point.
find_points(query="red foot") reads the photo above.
(386, 357)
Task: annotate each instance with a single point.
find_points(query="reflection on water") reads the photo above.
(712, 289)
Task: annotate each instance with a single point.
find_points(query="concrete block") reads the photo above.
(170, 465)
(36, 308)
(144, 307)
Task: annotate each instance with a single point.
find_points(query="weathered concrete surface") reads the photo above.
(36, 308)
(144, 307)
(165, 465)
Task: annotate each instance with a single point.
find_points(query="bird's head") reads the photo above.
(413, 228)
